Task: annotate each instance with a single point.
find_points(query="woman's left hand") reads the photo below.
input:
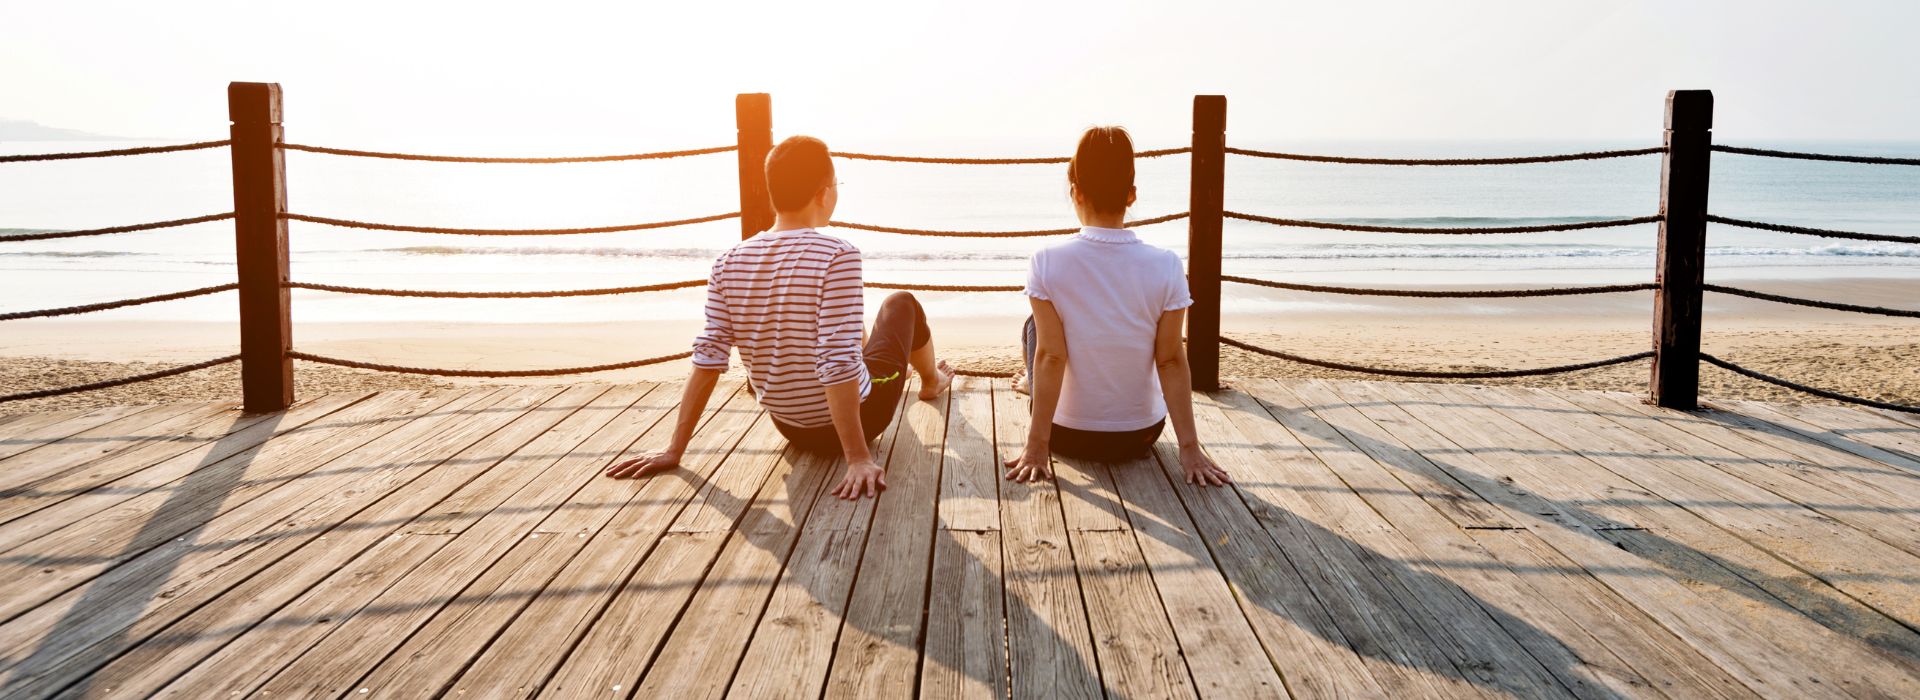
(1032, 465)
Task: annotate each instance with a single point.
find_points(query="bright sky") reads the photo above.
(589, 77)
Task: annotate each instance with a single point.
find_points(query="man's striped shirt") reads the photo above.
(791, 303)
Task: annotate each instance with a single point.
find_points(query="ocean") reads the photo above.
(92, 193)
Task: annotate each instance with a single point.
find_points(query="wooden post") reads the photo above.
(753, 114)
(1207, 200)
(260, 246)
(1681, 266)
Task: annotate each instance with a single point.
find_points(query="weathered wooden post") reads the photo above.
(1681, 266)
(753, 114)
(260, 246)
(1207, 200)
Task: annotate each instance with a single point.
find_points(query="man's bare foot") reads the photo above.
(931, 391)
(1020, 384)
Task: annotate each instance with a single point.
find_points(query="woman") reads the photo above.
(1106, 363)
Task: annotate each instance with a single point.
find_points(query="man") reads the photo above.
(790, 300)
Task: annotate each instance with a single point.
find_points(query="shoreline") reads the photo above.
(1851, 353)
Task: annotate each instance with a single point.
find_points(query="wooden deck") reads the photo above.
(1383, 540)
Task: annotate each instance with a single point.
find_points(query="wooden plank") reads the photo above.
(1480, 605)
(528, 653)
(1876, 470)
(966, 646)
(137, 434)
(699, 658)
(37, 431)
(1049, 642)
(878, 654)
(62, 501)
(1855, 425)
(1086, 496)
(1872, 511)
(1300, 635)
(1444, 637)
(1138, 653)
(970, 471)
(83, 628)
(48, 566)
(1758, 645)
(1221, 650)
(792, 647)
(348, 653)
(1585, 615)
(1864, 569)
(272, 617)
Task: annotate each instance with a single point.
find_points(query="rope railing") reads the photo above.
(945, 287)
(1444, 294)
(483, 159)
(1443, 230)
(1805, 231)
(995, 234)
(1830, 157)
(50, 235)
(145, 150)
(108, 384)
(1796, 386)
(532, 294)
(1516, 160)
(1437, 374)
(1815, 303)
(496, 374)
(349, 223)
(123, 303)
(992, 161)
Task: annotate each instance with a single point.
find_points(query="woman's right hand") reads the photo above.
(1200, 469)
(1032, 465)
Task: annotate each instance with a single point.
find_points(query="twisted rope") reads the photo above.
(343, 289)
(347, 223)
(1795, 155)
(1822, 232)
(1430, 374)
(477, 159)
(116, 152)
(1815, 303)
(1796, 386)
(946, 287)
(103, 306)
(43, 393)
(117, 229)
(1455, 230)
(486, 373)
(1591, 155)
(1441, 294)
(983, 373)
(992, 161)
(997, 234)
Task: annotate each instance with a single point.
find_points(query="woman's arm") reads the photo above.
(1049, 371)
(1176, 386)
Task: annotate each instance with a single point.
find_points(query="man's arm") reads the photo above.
(693, 405)
(864, 477)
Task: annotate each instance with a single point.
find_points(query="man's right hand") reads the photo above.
(864, 479)
(649, 463)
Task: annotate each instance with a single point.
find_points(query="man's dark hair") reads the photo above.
(1102, 168)
(797, 170)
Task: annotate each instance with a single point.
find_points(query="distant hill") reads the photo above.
(19, 130)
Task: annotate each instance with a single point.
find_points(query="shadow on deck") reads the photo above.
(1381, 540)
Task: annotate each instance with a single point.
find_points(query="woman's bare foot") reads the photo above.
(1020, 384)
(931, 391)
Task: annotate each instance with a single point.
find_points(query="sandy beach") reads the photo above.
(1857, 354)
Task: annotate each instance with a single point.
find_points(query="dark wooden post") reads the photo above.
(753, 114)
(260, 246)
(1207, 199)
(1681, 267)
